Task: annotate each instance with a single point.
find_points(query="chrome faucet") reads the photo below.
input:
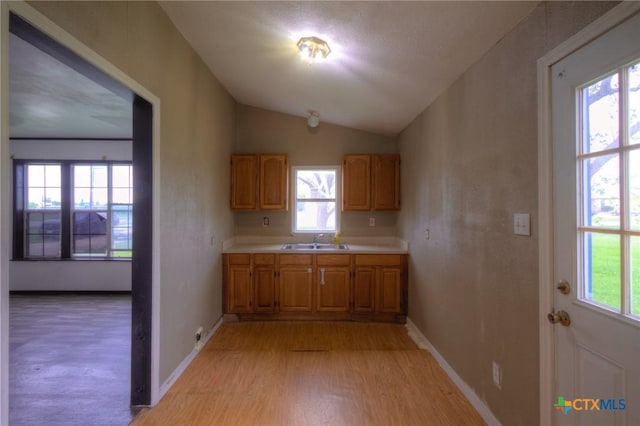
(315, 239)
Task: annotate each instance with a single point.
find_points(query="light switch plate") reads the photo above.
(522, 224)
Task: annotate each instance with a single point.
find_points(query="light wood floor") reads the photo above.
(312, 373)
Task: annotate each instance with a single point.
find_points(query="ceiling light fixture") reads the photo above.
(313, 49)
(313, 120)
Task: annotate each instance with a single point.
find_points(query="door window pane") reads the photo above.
(600, 117)
(634, 104)
(602, 269)
(602, 192)
(634, 189)
(635, 276)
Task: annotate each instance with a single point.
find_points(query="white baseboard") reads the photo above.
(472, 397)
(185, 362)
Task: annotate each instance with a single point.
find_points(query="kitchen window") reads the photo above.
(315, 199)
(72, 210)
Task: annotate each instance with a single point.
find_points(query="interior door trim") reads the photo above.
(545, 192)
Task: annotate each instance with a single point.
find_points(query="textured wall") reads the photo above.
(196, 135)
(469, 163)
(260, 131)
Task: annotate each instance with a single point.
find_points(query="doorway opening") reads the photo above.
(119, 125)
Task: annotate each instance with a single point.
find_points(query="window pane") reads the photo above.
(82, 198)
(43, 234)
(51, 224)
(601, 115)
(52, 175)
(99, 197)
(634, 189)
(121, 232)
(602, 192)
(634, 104)
(121, 196)
(53, 198)
(602, 269)
(121, 176)
(82, 176)
(99, 175)
(89, 232)
(316, 184)
(35, 175)
(36, 198)
(316, 216)
(635, 276)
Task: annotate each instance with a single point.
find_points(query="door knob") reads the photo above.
(564, 287)
(561, 317)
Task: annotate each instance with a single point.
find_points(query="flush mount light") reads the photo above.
(313, 49)
(313, 120)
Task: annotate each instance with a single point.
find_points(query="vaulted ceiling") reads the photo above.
(389, 59)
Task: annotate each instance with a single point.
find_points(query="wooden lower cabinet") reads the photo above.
(364, 289)
(296, 285)
(333, 283)
(323, 286)
(238, 283)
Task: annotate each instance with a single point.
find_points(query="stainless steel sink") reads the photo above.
(315, 246)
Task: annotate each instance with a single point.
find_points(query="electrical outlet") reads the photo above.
(427, 234)
(372, 221)
(497, 375)
(198, 344)
(265, 221)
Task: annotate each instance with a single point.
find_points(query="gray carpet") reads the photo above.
(69, 360)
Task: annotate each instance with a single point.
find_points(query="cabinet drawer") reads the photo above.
(378, 259)
(296, 259)
(332, 259)
(264, 259)
(239, 259)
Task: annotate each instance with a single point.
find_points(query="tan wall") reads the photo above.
(469, 164)
(260, 131)
(197, 131)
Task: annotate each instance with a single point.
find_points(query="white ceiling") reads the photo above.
(48, 99)
(389, 60)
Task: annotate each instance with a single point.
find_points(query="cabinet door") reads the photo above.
(239, 289)
(333, 289)
(264, 283)
(296, 288)
(244, 181)
(356, 182)
(390, 290)
(273, 182)
(386, 182)
(364, 285)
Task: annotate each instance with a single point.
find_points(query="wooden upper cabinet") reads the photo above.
(386, 182)
(259, 181)
(371, 182)
(273, 181)
(356, 182)
(244, 181)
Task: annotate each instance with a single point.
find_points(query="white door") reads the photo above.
(596, 151)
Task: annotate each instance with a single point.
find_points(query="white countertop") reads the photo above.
(357, 245)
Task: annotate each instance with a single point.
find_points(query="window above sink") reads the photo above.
(315, 200)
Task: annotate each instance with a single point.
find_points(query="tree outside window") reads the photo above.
(315, 200)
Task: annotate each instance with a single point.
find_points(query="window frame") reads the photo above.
(294, 197)
(67, 208)
(624, 230)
